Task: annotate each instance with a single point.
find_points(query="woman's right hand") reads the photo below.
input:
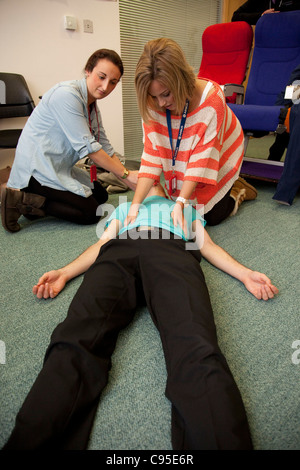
(50, 284)
(132, 214)
(143, 187)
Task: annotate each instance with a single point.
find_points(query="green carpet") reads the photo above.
(133, 413)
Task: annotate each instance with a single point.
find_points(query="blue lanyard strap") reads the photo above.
(182, 124)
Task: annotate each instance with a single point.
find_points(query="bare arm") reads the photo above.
(255, 282)
(53, 282)
(142, 189)
(113, 164)
(186, 191)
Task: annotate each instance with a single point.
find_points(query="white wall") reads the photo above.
(35, 44)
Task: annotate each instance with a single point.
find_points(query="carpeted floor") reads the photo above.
(257, 337)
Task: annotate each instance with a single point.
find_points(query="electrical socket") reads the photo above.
(87, 26)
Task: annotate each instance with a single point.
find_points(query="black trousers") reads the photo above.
(207, 409)
(69, 206)
(221, 210)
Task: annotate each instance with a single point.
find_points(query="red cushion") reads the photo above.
(226, 48)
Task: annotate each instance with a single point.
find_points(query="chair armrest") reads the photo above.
(231, 88)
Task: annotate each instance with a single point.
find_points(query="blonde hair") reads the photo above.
(163, 60)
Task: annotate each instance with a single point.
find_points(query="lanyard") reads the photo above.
(93, 169)
(182, 124)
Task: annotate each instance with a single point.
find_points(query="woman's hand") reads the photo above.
(259, 285)
(132, 214)
(132, 179)
(50, 284)
(178, 217)
(270, 10)
(142, 189)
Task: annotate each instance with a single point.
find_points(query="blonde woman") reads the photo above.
(190, 135)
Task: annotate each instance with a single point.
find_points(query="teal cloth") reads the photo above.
(156, 211)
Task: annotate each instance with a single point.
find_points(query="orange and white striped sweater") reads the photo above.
(210, 152)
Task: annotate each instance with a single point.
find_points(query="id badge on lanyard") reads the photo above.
(93, 169)
(173, 180)
(173, 184)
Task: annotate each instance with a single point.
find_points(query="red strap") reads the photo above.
(93, 172)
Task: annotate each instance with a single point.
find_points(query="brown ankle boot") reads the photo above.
(239, 196)
(251, 192)
(32, 204)
(9, 212)
(16, 203)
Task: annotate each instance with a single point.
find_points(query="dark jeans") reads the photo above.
(207, 409)
(69, 206)
(289, 182)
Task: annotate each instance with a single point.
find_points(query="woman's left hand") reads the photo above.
(132, 179)
(178, 217)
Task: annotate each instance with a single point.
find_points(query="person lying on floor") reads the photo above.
(150, 261)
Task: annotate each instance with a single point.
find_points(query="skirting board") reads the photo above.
(266, 170)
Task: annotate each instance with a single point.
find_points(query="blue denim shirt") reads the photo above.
(55, 137)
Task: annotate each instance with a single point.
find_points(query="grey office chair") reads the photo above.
(15, 101)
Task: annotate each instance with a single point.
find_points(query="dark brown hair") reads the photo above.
(108, 54)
